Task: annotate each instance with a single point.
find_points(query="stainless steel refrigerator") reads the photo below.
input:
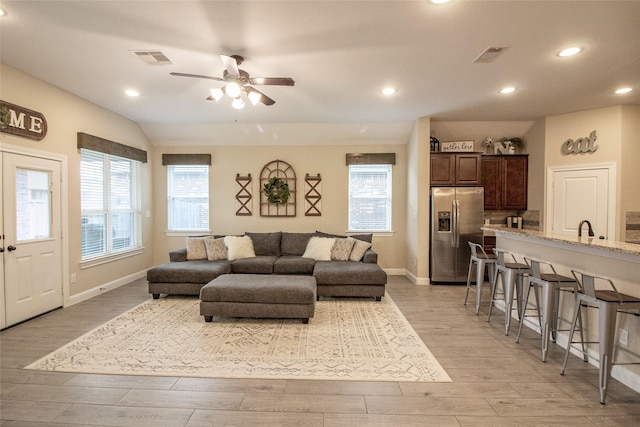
(456, 218)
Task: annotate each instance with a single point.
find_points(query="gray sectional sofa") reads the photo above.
(277, 253)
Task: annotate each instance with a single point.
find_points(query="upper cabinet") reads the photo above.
(455, 169)
(504, 178)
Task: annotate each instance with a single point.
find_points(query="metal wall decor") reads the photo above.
(312, 195)
(580, 145)
(243, 196)
(277, 189)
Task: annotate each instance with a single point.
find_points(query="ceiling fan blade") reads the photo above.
(230, 64)
(277, 81)
(263, 98)
(197, 76)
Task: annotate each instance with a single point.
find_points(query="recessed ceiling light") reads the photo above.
(132, 93)
(623, 90)
(570, 51)
(389, 91)
(506, 90)
(439, 1)
(2, 12)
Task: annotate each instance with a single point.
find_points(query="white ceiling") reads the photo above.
(340, 54)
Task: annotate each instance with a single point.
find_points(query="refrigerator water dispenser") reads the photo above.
(444, 221)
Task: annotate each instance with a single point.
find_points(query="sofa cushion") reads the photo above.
(364, 237)
(319, 248)
(294, 243)
(198, 271)
(293, 264)
(216, 249)
(255, 265)
(239, 247)
(266, 243)
(342, 249)
(348, 273)
(358, 250)
(196, 249)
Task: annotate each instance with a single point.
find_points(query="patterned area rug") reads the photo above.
(347, 339)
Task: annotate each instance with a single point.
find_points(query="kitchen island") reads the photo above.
(618, 261)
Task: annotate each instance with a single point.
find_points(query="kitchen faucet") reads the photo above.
(588, 225)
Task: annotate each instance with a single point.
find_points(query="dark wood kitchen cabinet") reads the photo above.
(455, 169)
(504, 178)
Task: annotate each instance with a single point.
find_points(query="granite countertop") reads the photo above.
(592, 242)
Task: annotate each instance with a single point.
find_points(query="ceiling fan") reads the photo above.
(238, 82)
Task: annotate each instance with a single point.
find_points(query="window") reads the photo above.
(370, 197)
(188, 197)
(110, 203)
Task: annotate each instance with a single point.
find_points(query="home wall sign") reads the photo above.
(456, 146)
(580, 145)
(20, 121)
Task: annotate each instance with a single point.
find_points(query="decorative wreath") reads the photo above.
(276, 190)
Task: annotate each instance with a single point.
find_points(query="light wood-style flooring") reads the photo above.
(495, 381)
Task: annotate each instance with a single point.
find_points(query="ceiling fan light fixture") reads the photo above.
(238, 103)
(233, 90)
(254, 97)
(217, 93)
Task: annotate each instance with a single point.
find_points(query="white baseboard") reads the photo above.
(395, 271)
(83, 296)
(421, 281)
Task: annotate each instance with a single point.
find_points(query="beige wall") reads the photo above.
(328, 161)
(417, 209)
(535, 147)
(630, 163)
(66, 115)
(616, 131)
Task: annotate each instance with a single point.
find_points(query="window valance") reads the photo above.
(101, 145)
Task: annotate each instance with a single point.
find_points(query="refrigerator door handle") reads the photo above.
(453, 223)
(457, 222)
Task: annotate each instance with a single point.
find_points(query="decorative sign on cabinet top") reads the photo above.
(456, 146)
(20, 121)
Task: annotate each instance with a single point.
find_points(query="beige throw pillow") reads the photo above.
(216, 249)
(319, 248)
(239, 247)
(341, 249)
(359, 248)
(196, 248)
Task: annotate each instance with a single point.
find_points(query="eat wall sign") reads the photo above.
(580, 145)
(21, 121)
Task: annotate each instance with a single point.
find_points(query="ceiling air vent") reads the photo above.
(152, 57)
(489, 55)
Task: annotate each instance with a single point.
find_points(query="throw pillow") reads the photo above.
(195, 248)
(319, 248)
(341, 249)
(239, 247)
(359, 248)
(216, 249)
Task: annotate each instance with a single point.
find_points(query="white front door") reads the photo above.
(32, 243)
(578, 194)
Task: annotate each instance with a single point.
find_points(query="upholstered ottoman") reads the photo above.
(259, 295)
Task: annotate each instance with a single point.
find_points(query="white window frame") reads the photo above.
(172, 229)
(388, 197)
(109, 254)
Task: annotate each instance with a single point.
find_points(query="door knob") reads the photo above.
(1, 249)
(11, 248)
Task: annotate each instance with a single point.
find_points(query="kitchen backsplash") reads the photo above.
(632, 227)
(530, 218)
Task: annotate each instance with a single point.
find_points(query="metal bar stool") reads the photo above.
(551, 285)
(609, 302)
(512, 275)
(481, 259)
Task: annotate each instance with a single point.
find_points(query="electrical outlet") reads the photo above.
(73, 278)
(624, 337)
